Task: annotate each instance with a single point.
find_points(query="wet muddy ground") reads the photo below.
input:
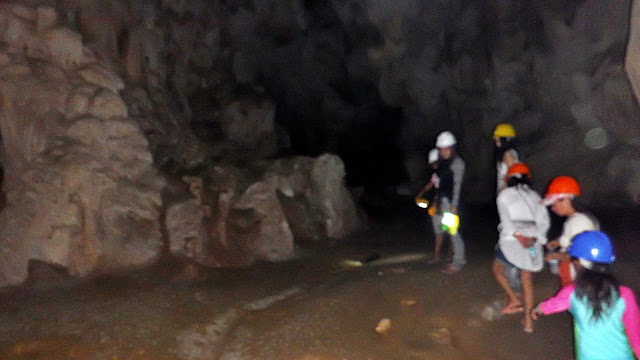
(315, 307)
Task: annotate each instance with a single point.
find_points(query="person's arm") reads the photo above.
(557, 256)
(557, 303)
(631, 319)
(501, 171)
(457, 167)
(506, 226)
(543, 222)
(424, 189)
(553, 244)
(564, 240)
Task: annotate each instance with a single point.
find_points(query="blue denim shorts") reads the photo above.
(500, 257)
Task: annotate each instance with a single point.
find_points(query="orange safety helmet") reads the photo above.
(518, 169)
(561, 187)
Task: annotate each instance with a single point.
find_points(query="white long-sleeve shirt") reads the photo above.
(520, 211)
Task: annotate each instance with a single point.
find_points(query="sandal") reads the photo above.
(451, 269)
(435, 260)
(513, 308)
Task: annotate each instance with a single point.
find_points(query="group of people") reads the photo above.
(606, 314)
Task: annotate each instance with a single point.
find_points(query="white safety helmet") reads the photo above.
(433, 156)
(445, 139)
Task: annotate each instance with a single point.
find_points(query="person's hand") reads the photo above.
(535, 313)
(432, 210)
(525, 241)
(552, 256)
(553, 244)
(454, 209)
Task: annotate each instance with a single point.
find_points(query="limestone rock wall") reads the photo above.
(632, 69)
(240, 216)
(96, 97)
(82, 190)
(632, 58)
(553, 69)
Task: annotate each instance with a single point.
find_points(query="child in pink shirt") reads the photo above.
(605, 313)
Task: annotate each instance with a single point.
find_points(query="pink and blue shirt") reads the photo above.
(616, 333)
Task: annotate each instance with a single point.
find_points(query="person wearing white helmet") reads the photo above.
(450, 172)
(434, 181)
(430, 186)
(433, 156)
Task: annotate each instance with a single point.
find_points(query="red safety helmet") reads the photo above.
(520, 169)
(561, 187)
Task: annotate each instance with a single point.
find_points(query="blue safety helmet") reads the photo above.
(592, 246)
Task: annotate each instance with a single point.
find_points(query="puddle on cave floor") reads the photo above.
(308, 308)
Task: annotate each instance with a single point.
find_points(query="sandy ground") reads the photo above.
(314, 307)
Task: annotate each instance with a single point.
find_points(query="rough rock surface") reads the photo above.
(241, 216)
(331, 198)
(99, 95)
(82, 190)
(555, 70)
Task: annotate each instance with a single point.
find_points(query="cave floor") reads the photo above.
(315, 307)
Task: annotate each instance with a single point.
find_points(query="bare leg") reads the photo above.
(438, 248)
(459, 258)
(527, 291)
(498, 273)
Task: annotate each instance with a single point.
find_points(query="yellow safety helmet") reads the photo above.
(504, 130)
